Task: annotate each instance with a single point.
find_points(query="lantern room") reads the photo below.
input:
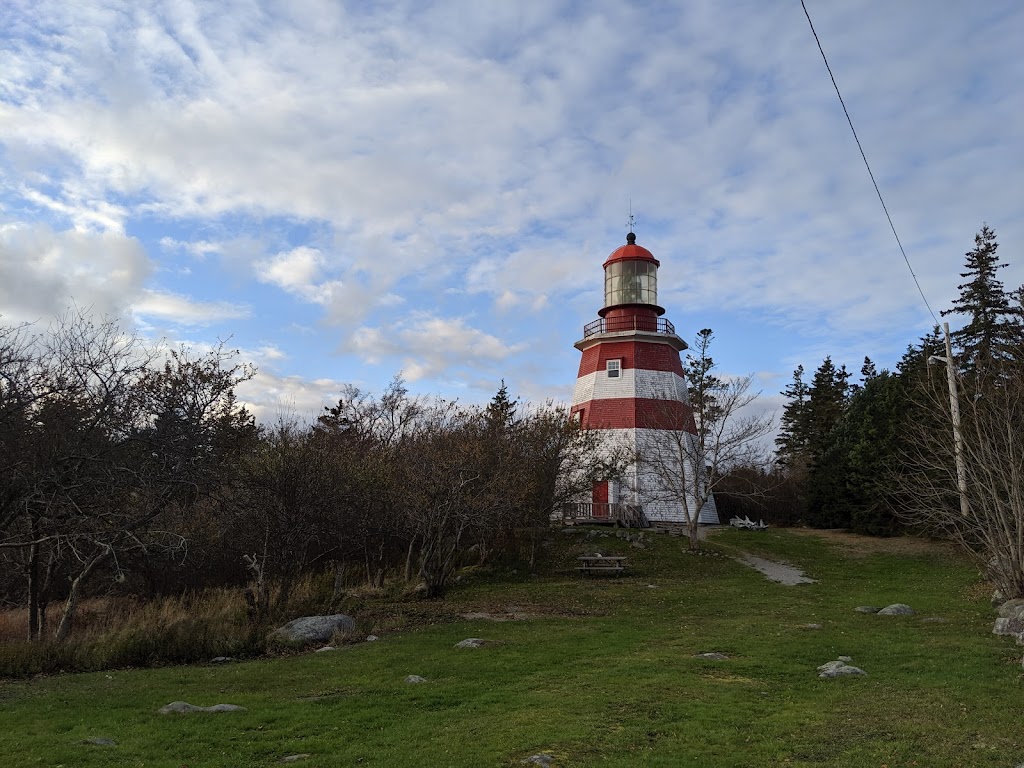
(631, 289)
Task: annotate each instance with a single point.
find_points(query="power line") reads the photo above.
(866, 164)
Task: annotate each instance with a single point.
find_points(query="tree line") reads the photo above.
(877, 455)
(135, 470)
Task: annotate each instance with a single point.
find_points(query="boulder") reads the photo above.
(1012, 609)
(839, 668)
(867, 609)
(896, 609)
(313, 629)
(471, 642)
(184, 708)
(1008, 627)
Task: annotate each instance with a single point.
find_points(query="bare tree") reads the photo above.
(683, 463)
(924, 486)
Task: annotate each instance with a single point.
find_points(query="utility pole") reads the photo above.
(954, 412)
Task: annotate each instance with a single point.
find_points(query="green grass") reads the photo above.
(606, 677)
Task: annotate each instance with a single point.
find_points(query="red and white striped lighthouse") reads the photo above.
(631, 386)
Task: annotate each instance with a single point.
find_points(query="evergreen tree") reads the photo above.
(826, 402)
(867, 371)
(993, 326)
(792, 439)
(849, 480)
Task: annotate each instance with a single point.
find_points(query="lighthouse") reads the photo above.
(631, 386)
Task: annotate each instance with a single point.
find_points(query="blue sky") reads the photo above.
(350, 190)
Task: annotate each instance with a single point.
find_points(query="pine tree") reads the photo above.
(827, 398)
(994, 323)
(794, 430)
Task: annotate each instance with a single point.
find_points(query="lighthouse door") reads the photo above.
(599, 497)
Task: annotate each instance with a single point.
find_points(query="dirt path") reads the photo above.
(782, 573)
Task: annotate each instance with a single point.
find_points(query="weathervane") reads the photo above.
(631, 221)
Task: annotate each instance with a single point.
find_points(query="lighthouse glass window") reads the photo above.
(612, 366)
(630, 282)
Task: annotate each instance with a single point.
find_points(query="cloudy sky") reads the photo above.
(352, 189)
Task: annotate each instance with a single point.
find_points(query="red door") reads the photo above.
(599, 497)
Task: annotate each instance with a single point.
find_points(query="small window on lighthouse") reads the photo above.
(612, 366)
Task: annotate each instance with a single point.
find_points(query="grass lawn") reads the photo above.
(605, 675)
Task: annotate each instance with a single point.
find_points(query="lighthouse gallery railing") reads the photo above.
(611, 325)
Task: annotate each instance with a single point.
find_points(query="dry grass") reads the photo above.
(855, 545)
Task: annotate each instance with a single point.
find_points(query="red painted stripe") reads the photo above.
(645, 355)
(635, 413)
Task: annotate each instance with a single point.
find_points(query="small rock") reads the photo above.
(867, 609)
(1012, 609)
(998, 598)
(652, 586)
(810, 626)
(897, 609)
(326, 648)
(542, 760)
(839, 668)
(714, 655)
(371, 638)
(101, 741)
(471, 642)
(296, 758)
(842, 671)
(1008, 627)
(415, 679)
(845, 659)
(221, 659)
(184, 708)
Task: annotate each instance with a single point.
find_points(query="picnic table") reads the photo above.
(590, 564)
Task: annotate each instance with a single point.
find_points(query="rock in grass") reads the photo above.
(313, 629)
(371, 638)
(325, 648)
(713, 655)
(897, 609)
(221, 659)
(415, 679)
(471, 642)
(1012, 609)
(1008, 627)
(184, 708)
(100, 741)
(867, 609)
(296, 758)
(839, 668)
(541, 759)
(810, 626)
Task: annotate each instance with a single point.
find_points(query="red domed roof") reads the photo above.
(631, 251)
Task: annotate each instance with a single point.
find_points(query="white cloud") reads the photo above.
(298, 271)
(182, 310)
(44, 272)
(429, 345)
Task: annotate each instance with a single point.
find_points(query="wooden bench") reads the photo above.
(591, 564)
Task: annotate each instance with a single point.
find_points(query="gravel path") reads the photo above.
(780, 572)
